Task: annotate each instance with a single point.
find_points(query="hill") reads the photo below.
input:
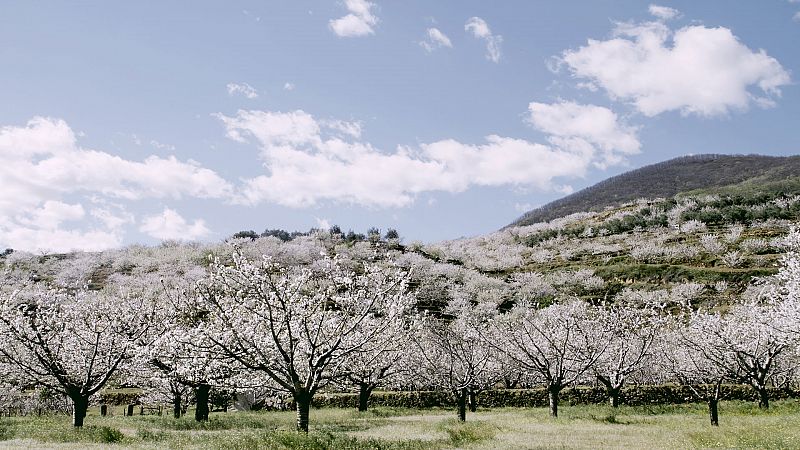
(728, 174)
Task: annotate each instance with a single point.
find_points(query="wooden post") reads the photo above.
(103, 410)
(130, 410)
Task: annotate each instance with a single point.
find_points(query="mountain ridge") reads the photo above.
(667, 179)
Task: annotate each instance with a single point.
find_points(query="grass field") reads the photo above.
(742, 425)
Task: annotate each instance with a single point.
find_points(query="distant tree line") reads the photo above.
(372, 234)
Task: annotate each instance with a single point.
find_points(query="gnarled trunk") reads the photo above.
(201, 394)
(303, 402)
(364, 391)
(713, 412)
(461, 397)
(552, 395)
(79, 406)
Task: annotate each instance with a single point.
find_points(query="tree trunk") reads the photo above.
(461, 396)
(612, 390)
(79, 406)
(713, 412)
(613, 397)
(364, 391)
(473, 401)
(303, 401)
(201, 411)
(176, 406)
(763, 398)
(552, 395)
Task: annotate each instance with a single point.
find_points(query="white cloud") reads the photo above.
(48, 178)
(272, 128)
(51, 215)
(169, 225)
(352, 129)
(243, 89)
(359, 22)
(664, 12)
(162, 146)
(288, 86)
(34, 239)
(112, 220)
(41, 229)
(796, 16)
(480, 29)
(694, 70)
(307, 163)
(323, 224)
(569, 124)
(435, 39)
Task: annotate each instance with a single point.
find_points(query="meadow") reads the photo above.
(742, 425)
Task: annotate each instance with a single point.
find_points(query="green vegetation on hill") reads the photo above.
(722, 174)
(704, 245)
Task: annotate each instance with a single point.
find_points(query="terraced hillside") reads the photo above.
(703, 247)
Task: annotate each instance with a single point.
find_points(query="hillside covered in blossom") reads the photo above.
(704, 245)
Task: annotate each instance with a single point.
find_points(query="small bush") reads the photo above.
(151, 436)
(108, 435)
(463, 433)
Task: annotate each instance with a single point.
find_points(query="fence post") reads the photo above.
(129, 410)
(104, 410)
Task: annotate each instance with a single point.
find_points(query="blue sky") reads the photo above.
(129, 122)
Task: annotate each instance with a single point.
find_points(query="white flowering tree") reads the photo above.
(783, 289)
(694, 358)
(380, 361)
(183, 360)
(629, 330)
(296, 326)
(554, 344)
(72, 342)
(752, 332)
(450, 353)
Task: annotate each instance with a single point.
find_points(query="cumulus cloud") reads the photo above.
(359, 22)
(572, 125)
(169, 225)
(288, 86)
(41, 229)
(694, 70)
(435, 39)
(664, 12)
(308, 161)
(480, 29)
(42, 165)
(243, 89)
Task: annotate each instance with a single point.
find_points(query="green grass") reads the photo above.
(742, 425)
